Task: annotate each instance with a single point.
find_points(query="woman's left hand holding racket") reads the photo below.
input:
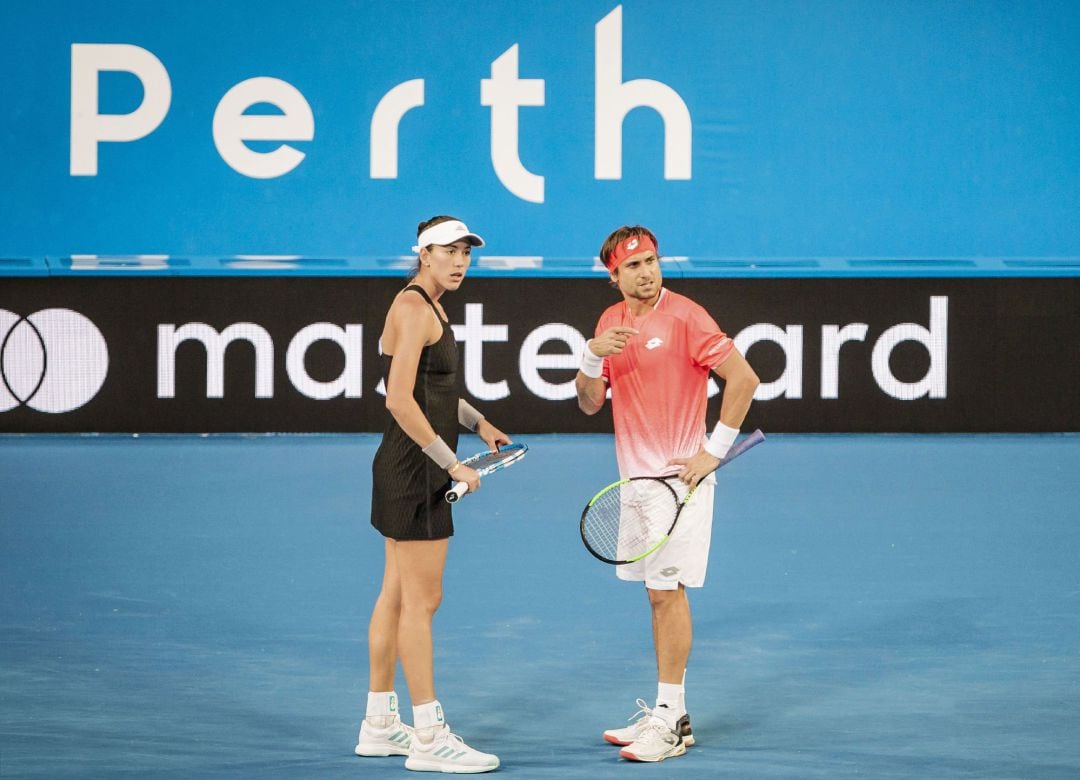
(465, 475)
(494, 439)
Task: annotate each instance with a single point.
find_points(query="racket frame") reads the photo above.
(666, 482)
(516, 452)
(740, 447)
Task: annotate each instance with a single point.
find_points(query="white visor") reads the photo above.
(446, 233)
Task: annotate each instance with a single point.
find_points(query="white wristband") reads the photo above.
(467, 415)
(440, 452)
(721, 440)
(592, 365)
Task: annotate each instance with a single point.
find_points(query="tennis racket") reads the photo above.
(634, 517)
(487, 462)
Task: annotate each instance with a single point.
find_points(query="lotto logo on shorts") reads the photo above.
(52, 361)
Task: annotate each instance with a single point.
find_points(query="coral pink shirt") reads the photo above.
(659, 383)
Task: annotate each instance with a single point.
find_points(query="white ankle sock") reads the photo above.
(428, 719)
(382, 708)
(670, 700)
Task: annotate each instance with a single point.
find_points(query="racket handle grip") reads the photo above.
(742, 446)
(457, 491)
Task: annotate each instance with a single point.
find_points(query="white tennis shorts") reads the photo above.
(685, 556)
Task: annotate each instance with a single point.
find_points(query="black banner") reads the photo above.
(184, 354)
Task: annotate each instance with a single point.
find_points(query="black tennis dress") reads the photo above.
(408, 495)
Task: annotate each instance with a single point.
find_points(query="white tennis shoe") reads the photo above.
(655, 742)
(628, 734)
(447, 752)
(389, 738)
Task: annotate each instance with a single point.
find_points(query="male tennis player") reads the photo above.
(655, 349)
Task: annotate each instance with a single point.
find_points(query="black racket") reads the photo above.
(634, 517)
(487, 462)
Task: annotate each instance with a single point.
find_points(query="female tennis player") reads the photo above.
(414, 467)
(655, 350)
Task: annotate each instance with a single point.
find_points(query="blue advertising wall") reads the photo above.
(253, 172)
(815, 129)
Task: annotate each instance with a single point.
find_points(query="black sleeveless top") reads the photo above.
(408, 489)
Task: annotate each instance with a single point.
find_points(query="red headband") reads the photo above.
(632, 245)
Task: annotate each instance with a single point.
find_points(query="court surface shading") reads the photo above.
(877, 606)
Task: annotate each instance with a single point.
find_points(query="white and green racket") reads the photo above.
(634, 517)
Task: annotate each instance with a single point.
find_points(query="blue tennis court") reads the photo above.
(877, 606)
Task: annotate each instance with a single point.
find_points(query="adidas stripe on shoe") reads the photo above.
(447, 752)
(392, 740)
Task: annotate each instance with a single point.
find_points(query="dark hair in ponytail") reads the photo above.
(420, 229)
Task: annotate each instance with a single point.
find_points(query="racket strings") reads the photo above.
(487, 461)
(628, 520)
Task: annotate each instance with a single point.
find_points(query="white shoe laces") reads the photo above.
(649, 723)
(645, 711)
(656, 726)
(447, 739)
(642, 717)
